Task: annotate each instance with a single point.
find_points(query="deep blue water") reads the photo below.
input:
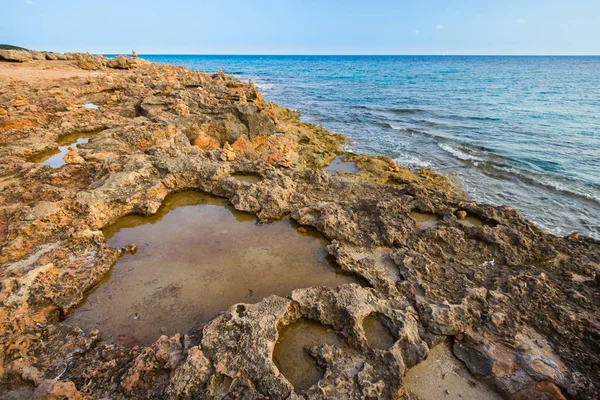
(521, 131)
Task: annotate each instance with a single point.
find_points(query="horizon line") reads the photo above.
(354, 55)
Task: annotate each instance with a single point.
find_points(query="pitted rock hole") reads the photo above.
(338, 165)
(378, 335)
(54, 157)
(291, 354)
(424, 220)
(443, 376)
(198, 256)
(247, 178)
(472, 220)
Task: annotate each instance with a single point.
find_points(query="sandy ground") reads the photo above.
(35, 71)
(443, 376)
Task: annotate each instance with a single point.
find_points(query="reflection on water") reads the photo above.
(424, 220)
(338, 165)
(291, 352)
(54, 157)
(197, 256)
(248, 178)
(472, 220)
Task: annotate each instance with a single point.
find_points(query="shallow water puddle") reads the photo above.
(198, 256)
(472, 221)
(424, 220)
(378, 335)
(91, 106)
(291, 352)
(54, 157)
(338, 165)
(247, 178)
(443, 376)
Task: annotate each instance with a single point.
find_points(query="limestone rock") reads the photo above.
(206, 142)
(15, 55)
(124, 62)
(56, 390)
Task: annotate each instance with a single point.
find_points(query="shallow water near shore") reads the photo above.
(198, 256)
(520, 131)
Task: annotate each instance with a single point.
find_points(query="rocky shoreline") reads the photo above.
(519, 306)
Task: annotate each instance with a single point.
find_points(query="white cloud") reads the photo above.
(439, 27)
(520, 20)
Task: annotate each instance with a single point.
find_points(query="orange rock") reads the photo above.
(242, 143)
(271, 113)
(73, 157)
(181, 108)
(259, 141)
(461, 214)
(394, 167)
(54, 390)
(206, 142)
(228, 153)
(272, 157)
(14, 123)
(542, 390)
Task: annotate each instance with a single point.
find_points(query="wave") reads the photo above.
(482, 118)
(459, 153)
(431, 123)
(406, 110)
(390, 110)
(549, 182)
(403, 129)
(411, 161)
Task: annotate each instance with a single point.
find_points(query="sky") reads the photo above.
(535, 27)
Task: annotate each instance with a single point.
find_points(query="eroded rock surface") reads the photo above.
(519, 305)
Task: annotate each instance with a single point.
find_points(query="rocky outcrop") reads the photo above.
(519, 305)
(15, 55)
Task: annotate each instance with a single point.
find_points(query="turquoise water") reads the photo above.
(521, 131)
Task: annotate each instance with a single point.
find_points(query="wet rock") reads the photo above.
(461, 214)
(73, 157)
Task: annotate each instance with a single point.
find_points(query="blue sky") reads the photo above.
(305, 26)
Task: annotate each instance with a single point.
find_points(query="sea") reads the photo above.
(513, 130)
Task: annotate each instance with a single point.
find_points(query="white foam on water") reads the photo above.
(458, 154)
(411, 161)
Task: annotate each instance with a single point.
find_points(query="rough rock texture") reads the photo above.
(16, 55)
(519, 304)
